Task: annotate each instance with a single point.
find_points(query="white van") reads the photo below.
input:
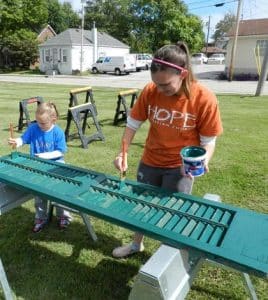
(143, 61)
(114, 64)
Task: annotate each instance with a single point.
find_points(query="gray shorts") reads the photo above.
(168, 178)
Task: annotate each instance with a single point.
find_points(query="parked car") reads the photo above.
(143, 61)
(148, 58)
(114, 64)
(199, 58)
(216, 58)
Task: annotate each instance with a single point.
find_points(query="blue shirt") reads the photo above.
(44, 141)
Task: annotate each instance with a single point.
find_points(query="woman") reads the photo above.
(181, 113)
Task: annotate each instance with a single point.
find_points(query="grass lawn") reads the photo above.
(69, 265)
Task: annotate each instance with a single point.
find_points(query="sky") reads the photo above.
(250, 9)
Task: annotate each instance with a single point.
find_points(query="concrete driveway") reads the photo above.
(207, 74)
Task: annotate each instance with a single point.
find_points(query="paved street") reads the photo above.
(207, 74)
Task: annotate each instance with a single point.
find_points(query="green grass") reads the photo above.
(68, 265)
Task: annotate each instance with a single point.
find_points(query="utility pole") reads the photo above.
(264, 72)
(208, 35)
(82, 38)
(231, 67)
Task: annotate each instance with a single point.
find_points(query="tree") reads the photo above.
(21, 48)
(166, 21)
(146, 25)
(71, 18)
(111, 16)
(21, 21)
(61, 16)
(223, 26)
(22, 14)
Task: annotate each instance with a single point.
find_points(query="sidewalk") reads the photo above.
(136, 80)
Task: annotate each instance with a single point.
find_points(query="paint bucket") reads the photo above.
(193, 158)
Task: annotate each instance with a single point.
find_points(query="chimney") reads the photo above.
(95, 43)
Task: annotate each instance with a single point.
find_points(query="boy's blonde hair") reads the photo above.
(48, 108)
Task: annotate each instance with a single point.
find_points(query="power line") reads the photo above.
(215, 5)
(197, 2)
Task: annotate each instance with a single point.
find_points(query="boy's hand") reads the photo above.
(12, 142)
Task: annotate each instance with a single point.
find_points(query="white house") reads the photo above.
(62, 53)
(252, 40)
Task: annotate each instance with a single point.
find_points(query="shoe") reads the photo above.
(39, 225)
(124, 251)
(63, 222)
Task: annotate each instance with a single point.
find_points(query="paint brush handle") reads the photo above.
(11, 132)
(124, 156)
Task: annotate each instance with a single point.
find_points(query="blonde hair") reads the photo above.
(177, 54)
(49, 109)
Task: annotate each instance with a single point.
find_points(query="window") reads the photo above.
(64, 55)
(100, 60)
(261, 45)
(55, 55)
(47, 55)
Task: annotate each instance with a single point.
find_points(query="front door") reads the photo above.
(55, 59)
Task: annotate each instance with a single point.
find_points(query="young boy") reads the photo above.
(47, 141)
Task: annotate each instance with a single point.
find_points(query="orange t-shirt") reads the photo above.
(175, 122)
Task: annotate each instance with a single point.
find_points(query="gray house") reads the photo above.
(67, 52)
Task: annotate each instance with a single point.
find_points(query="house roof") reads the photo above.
(72, 36)
(45, 29)
(251, 27)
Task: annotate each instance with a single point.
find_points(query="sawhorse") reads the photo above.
(169, 273)
(73, 101)
(74, 96)
(24, 118)
(78, 114)
(11, 198)
(122, 110)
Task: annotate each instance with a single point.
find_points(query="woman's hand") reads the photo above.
(206, 168)
(119, 164)
(188, 174)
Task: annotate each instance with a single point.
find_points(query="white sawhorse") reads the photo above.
(11, 198)
(169, 273)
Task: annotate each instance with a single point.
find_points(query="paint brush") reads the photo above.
(11, 134)
(124, 153)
